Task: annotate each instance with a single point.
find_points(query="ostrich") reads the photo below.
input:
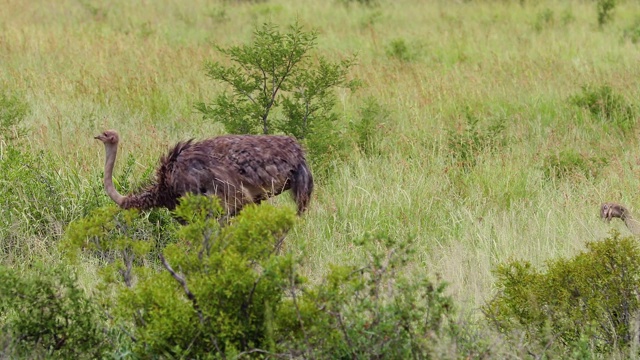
(613, 210)
(239, 169)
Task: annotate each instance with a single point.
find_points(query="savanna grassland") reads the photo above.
(481, 151)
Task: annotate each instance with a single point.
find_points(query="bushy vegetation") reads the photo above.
(605, 104)
(232, 291)
(467, 143)
(45, 312)
(372, 118)
(632, 32)
(590, 299)
(605, 11)
(569, 164)
(36, 200)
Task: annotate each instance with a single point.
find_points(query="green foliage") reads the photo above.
(214, 290)
(123, 239)
(633, 32)
(399, 49)
(276, 86)
(606, 105)
(38, 199)
(12, 112)
(44, 311)
(372, 117)
(567, 16)
(228, 291)
(467, 145)
(374, 310)
(569, 163)
(591, 297)
(605, 11)
(544, 19)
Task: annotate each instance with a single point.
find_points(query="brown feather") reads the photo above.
(240, 169)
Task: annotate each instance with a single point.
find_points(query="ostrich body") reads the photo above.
(239, 169)
(613, 210)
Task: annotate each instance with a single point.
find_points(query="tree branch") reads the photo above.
(183, 282)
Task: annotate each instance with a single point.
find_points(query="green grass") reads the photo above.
(84, 66)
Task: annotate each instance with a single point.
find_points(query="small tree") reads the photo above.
(593, 296)
(276, 86)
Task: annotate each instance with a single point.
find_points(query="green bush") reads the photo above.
(467, 145)
(277, 86)
(543, 20)
(372, 117)
(606, 105)
(633, 32)
(605, 11)
(232, 291)
(569, 163)
(45, 312)
(589, 301)
(213, 291)
(400, 50)
(374, 310)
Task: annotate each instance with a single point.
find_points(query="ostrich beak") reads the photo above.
(99, 137)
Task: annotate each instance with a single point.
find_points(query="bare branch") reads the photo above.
(183, 282)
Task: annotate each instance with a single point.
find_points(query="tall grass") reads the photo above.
(84, 66)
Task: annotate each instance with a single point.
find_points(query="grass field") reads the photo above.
(84, 66)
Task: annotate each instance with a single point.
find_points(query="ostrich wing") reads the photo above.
(232, 166)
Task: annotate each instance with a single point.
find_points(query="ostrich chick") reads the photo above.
(613, 210)
(239, 169)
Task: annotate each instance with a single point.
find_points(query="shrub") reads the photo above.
(227, 292)
(606, 105)
(214, 291)
(46, 312)
(398, 49)
(605, 11)
(372, 117)
(466, 146)
(374, 310)
(592, 297)
(570, 163)
(277, 87)
(544, 19)
(633, 32)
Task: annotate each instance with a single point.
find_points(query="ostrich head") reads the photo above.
(109, 137)
(612, 210)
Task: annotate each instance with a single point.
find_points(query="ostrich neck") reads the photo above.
(112, 151)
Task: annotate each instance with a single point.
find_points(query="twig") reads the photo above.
(183, 282)
(346, 335)
(191, 297)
